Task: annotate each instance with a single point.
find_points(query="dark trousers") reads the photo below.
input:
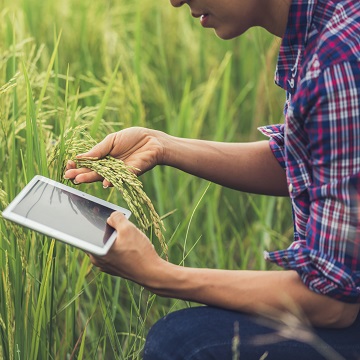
(211, 333)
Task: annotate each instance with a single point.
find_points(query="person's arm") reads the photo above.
(255, 292)
(249, 167)
(133, 257)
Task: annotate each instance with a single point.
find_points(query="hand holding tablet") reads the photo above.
(66, 214)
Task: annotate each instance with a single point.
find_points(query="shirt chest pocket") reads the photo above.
(298, 179)
(298, 167)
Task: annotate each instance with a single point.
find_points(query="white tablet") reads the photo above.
(66, 214)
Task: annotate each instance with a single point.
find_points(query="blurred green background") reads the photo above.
(107, 65)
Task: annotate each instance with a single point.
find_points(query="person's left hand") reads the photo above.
(132, 256)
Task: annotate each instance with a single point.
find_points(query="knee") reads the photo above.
(172, 337)
(160, 341)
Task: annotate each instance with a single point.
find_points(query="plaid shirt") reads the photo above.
(319, 144)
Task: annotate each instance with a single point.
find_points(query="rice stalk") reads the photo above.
(81, 342)
(120, 175)
(9, 306)
(236, 342)
(2, 323)
(3, 196)
(18, 231)
(40, 311)
(9, 85)
(293, 325)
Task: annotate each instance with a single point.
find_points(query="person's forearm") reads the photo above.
(249, 167)
(254, 292)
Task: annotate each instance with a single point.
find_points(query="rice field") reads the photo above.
(102, 66)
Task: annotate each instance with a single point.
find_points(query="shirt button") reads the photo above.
(291, 188)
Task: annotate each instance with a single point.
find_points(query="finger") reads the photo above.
(101, 149)
(107, 184)
(70, 165)
(88, 177)
(72, 173)
(83, 175)
(92, 259)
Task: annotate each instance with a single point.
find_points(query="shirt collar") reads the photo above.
(293, 43)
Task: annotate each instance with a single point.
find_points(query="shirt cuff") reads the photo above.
(319, 272)
(277, 141)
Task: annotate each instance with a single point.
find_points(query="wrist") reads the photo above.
(167, 280)
(166, 144)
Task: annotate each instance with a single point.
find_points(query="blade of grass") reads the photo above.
(190, 222)
(96, 123)
(47, 77)
(39, 312)
(9, 308)
(110, 329)
(35, 149)
(209, 93)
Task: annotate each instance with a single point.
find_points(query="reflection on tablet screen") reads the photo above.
(66, 212)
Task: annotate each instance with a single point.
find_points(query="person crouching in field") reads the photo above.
(314, 158)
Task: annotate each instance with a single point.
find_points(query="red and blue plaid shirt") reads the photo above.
(319, 144)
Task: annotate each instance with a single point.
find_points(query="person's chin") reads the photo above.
(226, 34)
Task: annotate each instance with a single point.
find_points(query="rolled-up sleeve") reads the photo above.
(322, 158)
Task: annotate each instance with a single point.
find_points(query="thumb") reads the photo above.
(116, 219)
(100, 150)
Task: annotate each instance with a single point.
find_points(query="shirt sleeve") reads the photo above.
(326, 253)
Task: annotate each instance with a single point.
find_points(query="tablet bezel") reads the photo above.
(46, 230)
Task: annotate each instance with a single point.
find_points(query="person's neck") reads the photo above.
(274, 16)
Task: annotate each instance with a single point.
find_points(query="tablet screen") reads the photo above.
(66, 212)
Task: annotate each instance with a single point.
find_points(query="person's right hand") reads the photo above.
(138, 147)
